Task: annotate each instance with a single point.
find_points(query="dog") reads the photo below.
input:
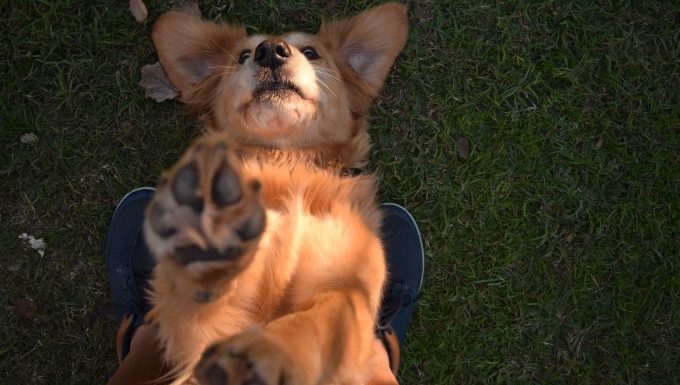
(270, 267)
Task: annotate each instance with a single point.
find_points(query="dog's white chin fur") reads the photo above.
(278, 122)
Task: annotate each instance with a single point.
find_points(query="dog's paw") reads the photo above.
(249, 358)
(204, 215)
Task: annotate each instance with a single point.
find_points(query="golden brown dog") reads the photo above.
(270, 266)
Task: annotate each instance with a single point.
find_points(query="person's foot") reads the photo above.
(405, 266)
(129, 264)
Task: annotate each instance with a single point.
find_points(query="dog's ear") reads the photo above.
(190, 49)
(369, 42)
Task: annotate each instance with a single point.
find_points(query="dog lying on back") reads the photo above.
(270, 266)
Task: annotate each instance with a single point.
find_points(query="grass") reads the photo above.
(552, 244)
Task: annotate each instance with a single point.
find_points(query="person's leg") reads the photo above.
(143, 363)
(129, 265)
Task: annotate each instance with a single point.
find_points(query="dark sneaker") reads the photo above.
(128, 261)
(405, 266)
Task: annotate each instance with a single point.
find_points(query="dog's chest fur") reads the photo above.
(320, 226)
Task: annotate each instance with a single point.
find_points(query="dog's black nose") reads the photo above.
(272, 53)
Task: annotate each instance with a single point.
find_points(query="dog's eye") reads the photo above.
(245, 54)
(310, 53)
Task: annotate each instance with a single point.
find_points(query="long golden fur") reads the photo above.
(270, 266)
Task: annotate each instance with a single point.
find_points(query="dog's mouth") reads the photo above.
(276, 89)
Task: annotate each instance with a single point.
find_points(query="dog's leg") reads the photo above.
(202, 225)
(328, 343)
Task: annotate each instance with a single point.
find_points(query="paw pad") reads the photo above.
(203, 211)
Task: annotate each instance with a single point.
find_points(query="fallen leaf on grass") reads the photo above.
(38, 245)
(24, 308)
(28, 138)
(188, 7)
(463, 147)
(156, 83)
(138, 11)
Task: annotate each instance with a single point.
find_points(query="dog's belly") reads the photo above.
(320, 237)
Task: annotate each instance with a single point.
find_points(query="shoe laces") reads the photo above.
(131, 305)
(397, 296)
(136, 284)
(139, 282)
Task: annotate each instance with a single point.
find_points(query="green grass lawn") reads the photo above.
(552, 240)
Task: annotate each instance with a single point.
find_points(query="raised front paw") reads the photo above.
(249, 358)
(204, 216)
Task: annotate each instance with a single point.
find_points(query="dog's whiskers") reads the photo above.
(224, 67)
(327, 72)
(216, 74)
(226, 84)
(325, 86)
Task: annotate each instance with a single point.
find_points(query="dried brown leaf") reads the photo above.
(138, 10)
(24, 308)
(156, 83)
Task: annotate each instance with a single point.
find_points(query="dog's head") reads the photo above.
(294, 90)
